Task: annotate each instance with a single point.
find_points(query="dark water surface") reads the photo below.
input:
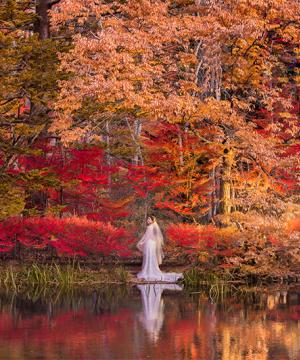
(151, 322)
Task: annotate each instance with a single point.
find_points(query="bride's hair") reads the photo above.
(152, 217)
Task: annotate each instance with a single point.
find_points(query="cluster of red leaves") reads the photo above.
(144, 179)
(84, 178)
(194, 237)
(69, 236)
(261, 244)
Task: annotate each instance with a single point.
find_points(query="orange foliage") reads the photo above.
(216, 71)
(294, 225)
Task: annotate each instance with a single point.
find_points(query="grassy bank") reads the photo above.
(19, 277)
(249, 276)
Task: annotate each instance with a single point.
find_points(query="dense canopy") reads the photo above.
(189, 109)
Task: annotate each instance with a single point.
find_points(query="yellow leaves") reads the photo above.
(203, 181)
(178, 108)
(251, 61)
(194, 200)
(112, 21)
(271, 26)
(181, 189)
(10, 108)
(256, 180)
(286, 115)
(226, 234)
(283, 80)
(297, 50)
(27, 130)
(241, 104)
(187, 86)
(61, 122)
(265, 181)
(70, 11)
(188, 59)
(118, 204)
(214, 109)
(235, 51)
(242, 43)
(239, 74)
(254, 51)
(297, 79)
(184, 2)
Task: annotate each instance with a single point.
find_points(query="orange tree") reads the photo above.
(185, 82)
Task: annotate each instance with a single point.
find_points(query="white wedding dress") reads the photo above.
(151, 247)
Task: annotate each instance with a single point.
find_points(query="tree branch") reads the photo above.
(52, 2)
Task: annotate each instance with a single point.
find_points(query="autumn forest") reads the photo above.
(112, 110)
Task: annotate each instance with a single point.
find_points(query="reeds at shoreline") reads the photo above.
(69, 276)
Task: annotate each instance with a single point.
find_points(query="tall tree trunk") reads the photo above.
(38, 199)
(180, 144)
(226, 191)
(41, 26)
(108, 156)
(135, 133)
(217, 190)
(61, 190)
(137, 129)
(211, 211)
(208, 77)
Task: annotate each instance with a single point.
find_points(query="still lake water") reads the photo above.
(151, 322)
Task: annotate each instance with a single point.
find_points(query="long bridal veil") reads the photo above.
(151, 245)
(153, 233)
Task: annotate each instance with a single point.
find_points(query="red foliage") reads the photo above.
(84, 179)
(273, 240)
(24, 106)
(144, 179)
(69, 236)
(194, 236)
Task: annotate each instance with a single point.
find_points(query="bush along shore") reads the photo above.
(204, 253)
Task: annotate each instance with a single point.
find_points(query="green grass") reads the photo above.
(68, 276)
(195, 277)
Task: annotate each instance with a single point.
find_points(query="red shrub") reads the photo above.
(69, 236)
(193, 236)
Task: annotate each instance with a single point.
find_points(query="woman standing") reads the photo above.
(151, 246)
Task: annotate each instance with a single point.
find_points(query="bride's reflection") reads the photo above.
(152, 316)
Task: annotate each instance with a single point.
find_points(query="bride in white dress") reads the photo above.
(151, 246)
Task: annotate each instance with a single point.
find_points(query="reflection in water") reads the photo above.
(152, 316)
(151, 322)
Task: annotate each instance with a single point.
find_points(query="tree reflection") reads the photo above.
(151, 321)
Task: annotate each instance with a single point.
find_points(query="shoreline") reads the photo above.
(19, 277)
